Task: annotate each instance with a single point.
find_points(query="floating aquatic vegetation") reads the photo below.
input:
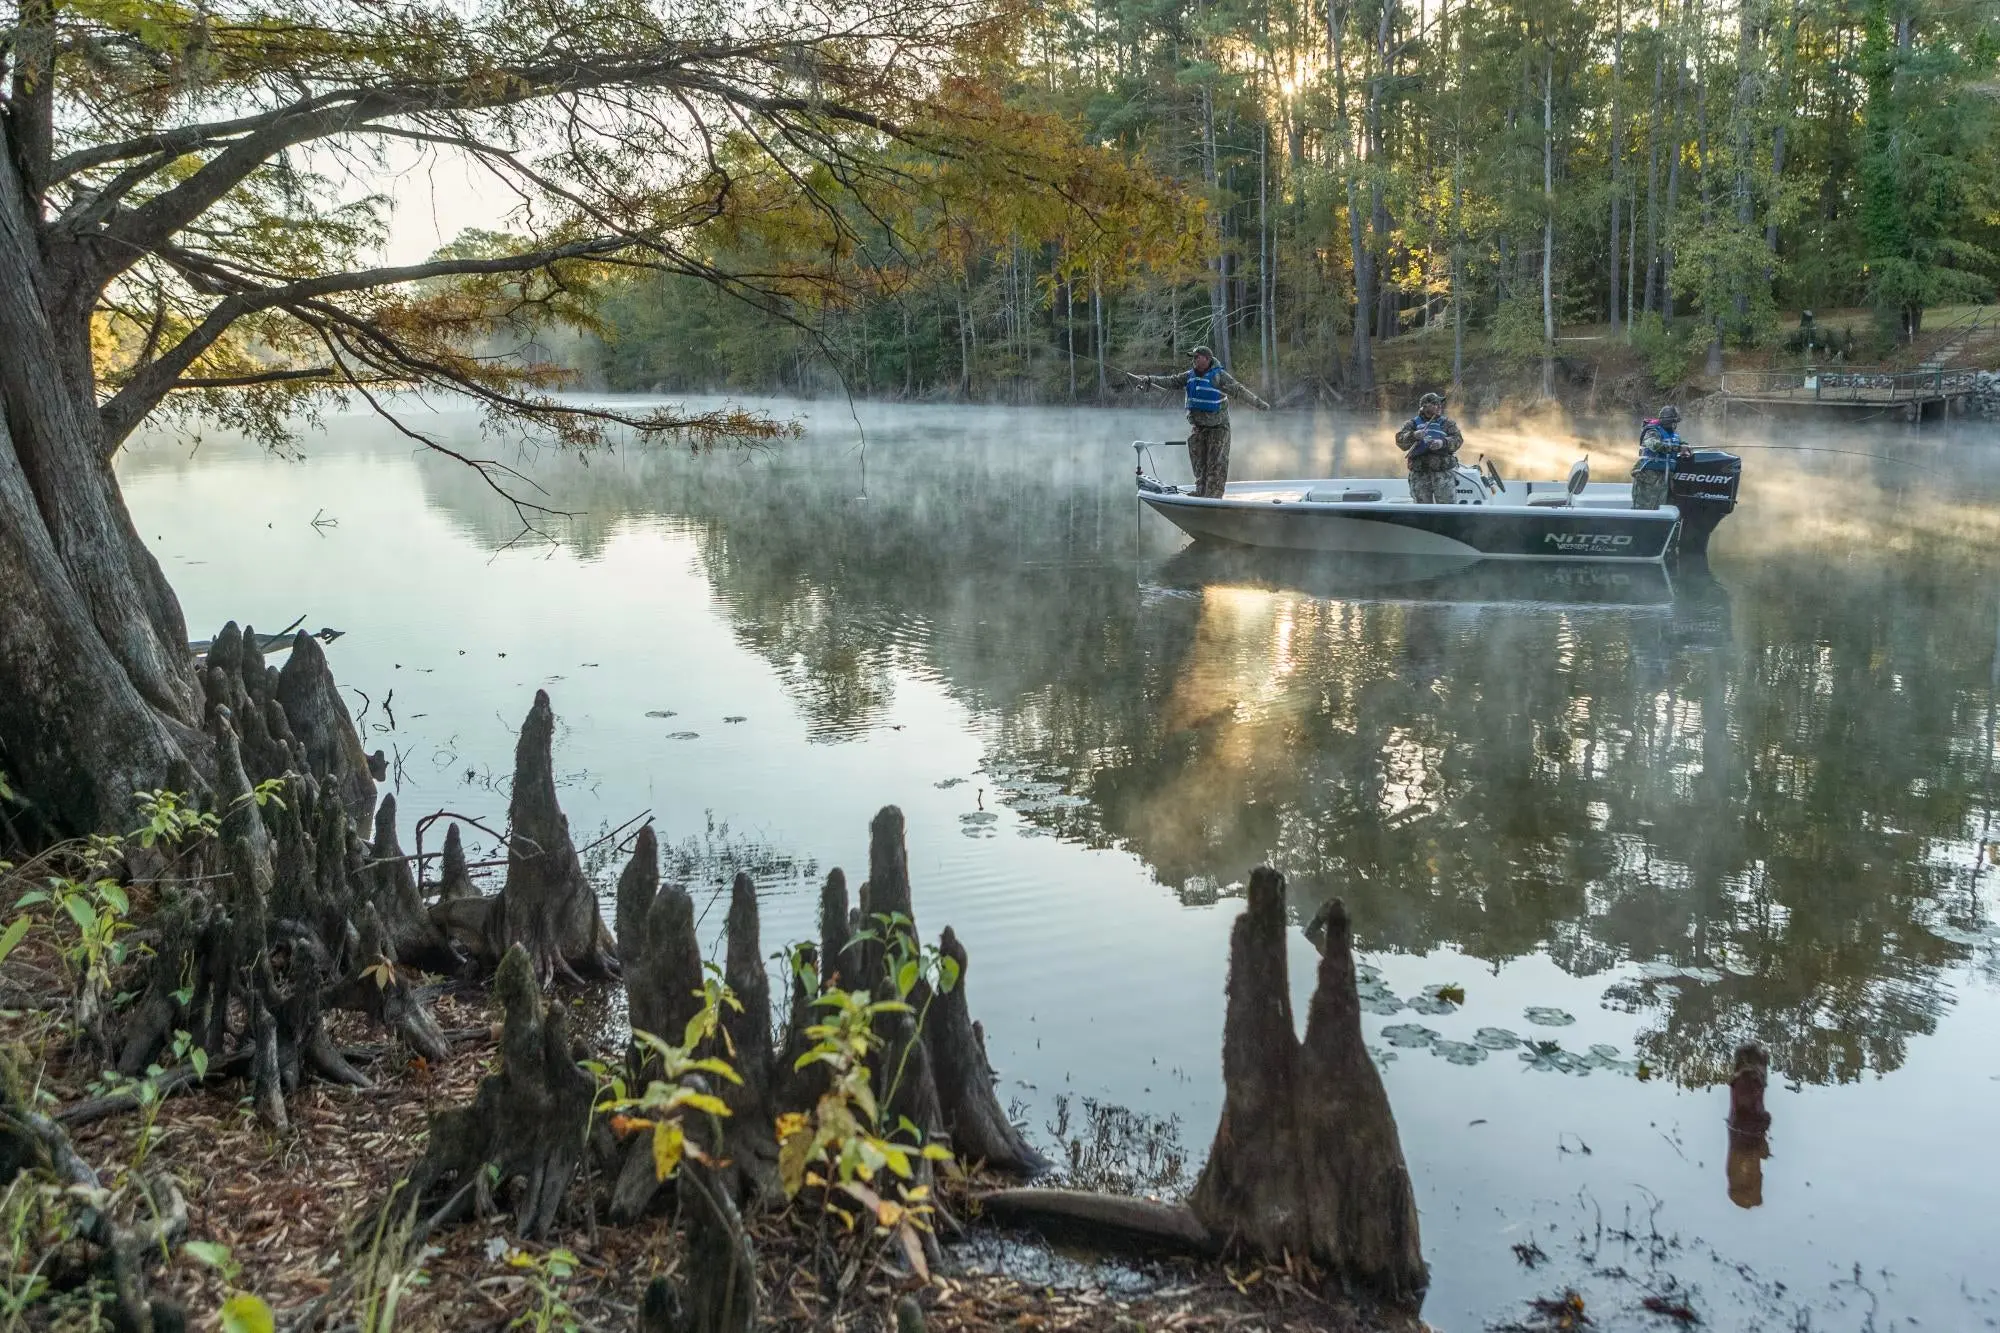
(1380, 1056)
(978, 817)
(1604, 1052)
(736, 717)
(1381, 1002)
(1544, 1016)
(1459, 1052)
(1365, 972)
(1549, 1057)
(683, 736)
(1408, 1034)
(1439, 1000)
(1496, 1039)
(662, 712)
(949, 783)
(1035, 831)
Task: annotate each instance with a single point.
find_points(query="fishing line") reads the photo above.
(1850, 453)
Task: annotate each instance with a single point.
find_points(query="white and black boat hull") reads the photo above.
(1597, 524)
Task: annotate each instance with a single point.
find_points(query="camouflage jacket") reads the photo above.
(1430, 460)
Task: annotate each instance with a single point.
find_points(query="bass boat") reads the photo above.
(1572, 518)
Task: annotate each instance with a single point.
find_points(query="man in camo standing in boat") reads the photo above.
(1430, 442)
(1660, 446)
(1208, 388)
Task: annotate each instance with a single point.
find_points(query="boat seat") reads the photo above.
(1325, 495)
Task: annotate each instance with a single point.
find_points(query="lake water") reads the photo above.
(1757, 803)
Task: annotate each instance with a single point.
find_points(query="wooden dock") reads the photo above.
(1929, 391)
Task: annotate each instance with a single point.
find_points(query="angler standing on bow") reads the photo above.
(1660, 447)
(1209, 388)
(1430, 442)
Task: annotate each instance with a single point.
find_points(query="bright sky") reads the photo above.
(437, 195)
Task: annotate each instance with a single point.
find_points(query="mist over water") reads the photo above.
(1682, 811)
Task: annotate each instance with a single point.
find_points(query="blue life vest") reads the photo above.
(1657, 450)
(1204, 392)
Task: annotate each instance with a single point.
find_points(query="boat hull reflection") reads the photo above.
(1421, 578)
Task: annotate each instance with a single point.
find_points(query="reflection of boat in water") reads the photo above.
(1492, 519)
(1333, 576)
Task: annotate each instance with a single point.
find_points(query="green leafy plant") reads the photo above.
(662, 1107)
(547, 1273)
(242, 1311)
(843, 1148)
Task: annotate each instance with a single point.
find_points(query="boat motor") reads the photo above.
(1702, 484)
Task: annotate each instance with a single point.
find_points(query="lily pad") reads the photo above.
(662, 712)
(1408, 1034)
(1381, 1002)
(1432, 1004)
(977, 830)
(1035, 831)
(1368, 972)
(1604, 1052)
(1380, 1056)
(683, 736)
(1459, 1052)
(1548, 1057)
(978, 817)
(1543, 1016)
(736, 717)
(1496, 1039)
(949, 783)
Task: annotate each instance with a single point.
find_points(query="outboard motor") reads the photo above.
(1702, 486)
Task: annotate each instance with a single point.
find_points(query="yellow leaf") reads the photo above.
(794, 1151)
(790, 1123)
(701, 1101)
(244, 1313)
(667, 1141)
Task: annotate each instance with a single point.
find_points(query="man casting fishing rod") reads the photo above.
(1208, 388)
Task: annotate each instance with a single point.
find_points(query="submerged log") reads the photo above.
(520, 1142)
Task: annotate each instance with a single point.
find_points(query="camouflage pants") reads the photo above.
(1433, 488)
(1208, 454)
(1649, 488)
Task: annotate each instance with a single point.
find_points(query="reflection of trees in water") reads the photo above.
(1780, 783)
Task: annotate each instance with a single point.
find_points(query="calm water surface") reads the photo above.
(1756, 803)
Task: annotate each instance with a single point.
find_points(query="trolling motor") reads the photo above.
(1702, 484)
(1142, 458)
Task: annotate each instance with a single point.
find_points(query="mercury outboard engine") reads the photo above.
(1702, 485)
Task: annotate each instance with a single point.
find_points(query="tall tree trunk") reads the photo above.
(1617, 149)
(1548, 222)
(97, 687)
(1673, 189)
(1364, 363)
(1655, 132)
(1218, 283)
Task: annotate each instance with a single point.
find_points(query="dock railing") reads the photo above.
(1855, 384)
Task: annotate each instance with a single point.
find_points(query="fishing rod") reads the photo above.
(1850, 453)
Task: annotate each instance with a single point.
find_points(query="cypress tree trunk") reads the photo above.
(97, 686)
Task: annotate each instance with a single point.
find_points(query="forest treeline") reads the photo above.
(1424, 191)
